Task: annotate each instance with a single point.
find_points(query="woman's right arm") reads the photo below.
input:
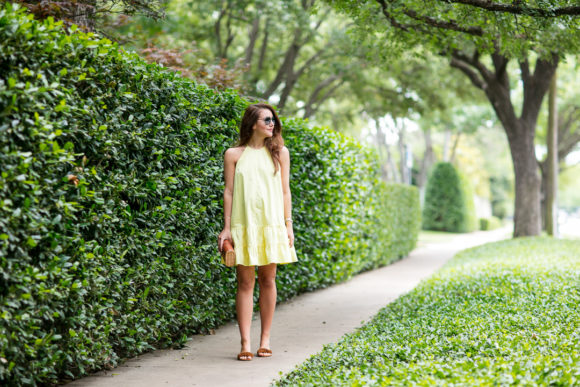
(229, 171)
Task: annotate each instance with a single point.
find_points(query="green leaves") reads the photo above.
(502, 313)
(446, 26)
(111, 200)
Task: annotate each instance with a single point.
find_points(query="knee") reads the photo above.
(246, 284)
(267, 283)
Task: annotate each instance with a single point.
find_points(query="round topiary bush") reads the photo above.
(447, 203)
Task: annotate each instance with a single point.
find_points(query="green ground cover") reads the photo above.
(502, 313)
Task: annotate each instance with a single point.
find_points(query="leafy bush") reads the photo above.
(111, 202)
(448, 201)
(490, 223)
(503, 313)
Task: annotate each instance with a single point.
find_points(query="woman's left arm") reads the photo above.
(285, 169)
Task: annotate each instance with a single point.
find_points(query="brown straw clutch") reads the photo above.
(228, 254)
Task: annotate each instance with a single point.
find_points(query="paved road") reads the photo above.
(301, 327)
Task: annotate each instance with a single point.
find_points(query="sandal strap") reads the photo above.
(249, 355)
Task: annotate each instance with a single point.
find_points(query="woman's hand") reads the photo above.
(290, 231)
(224, 235)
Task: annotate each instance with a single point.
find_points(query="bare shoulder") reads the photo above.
(284, 152)
(233, 154)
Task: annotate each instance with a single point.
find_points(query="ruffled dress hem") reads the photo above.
(262, 245)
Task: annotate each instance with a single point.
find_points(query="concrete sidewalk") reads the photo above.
(301, 327)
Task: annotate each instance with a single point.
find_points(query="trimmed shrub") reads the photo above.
(448, 201)
(490, 223)
(111, 202)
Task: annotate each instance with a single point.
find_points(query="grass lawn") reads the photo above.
(503, 313)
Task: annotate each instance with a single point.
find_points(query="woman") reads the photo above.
(258, 217)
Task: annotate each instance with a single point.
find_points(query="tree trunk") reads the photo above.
(404, 169)
(543, 189)
(446, 141)
(527, 205)
(426, 163)
(568, 137)
(520, 130)
(253, 36)
(380, 143)
(454, 148)
(217, 30)
(264, 47)
(287, 64)
(552, 170)
(391, 165)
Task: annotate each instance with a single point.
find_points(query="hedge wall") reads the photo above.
(110, 204)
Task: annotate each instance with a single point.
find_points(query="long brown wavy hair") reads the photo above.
(275, 143)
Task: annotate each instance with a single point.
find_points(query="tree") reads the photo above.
(568, 130)
(551, 198)
(402, 89)
(295, 51)
(480, 38)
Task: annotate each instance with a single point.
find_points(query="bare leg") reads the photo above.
(246, 276)
(267, 282)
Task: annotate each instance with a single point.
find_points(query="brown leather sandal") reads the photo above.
(264, 352)
(247, 355)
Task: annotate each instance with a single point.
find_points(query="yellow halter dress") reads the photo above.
(257, 223)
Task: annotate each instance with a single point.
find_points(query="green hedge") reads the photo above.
(490, 223)
(125, 260)
(449, 202)
(505, 313)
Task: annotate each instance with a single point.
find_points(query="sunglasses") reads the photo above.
(269, 120)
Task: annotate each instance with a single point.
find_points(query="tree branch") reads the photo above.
(442, 24)
(568, 144)
(287, 65)
(310, 61)
(525, 70)
(310, 109)
(565, 123)
(500, 63)
(516, 9)
(568, 139)
(466, 69)
(328, 94)
(392, 20)
(536, 86)
(474, 61)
